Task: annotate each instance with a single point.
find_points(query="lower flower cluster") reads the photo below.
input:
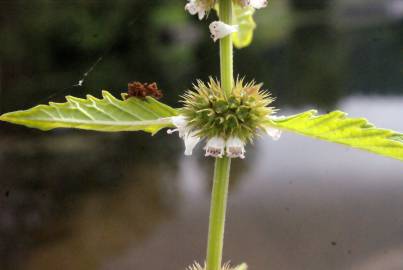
(226, 122)
(232, 147)
(226, 266)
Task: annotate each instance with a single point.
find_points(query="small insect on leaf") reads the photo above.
(142, 90)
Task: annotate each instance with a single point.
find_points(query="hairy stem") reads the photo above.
(222, 165)
(217, 213)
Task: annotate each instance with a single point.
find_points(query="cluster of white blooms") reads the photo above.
(219, 29)
(202, 7)
(232, 147)
(196, 7)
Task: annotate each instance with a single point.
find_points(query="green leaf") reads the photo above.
(243, 17)
(336, 127)
(108, 114)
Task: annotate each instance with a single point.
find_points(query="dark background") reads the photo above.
(85, 200)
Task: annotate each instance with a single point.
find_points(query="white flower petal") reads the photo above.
(191, 8)
(276, 117)
(201, 14)
(196, 7)
(258, 3)
(274, 133)
(219, 29)
(235, 148)
(190, 142)
(189, 137)
(215, 147)
(180, 123)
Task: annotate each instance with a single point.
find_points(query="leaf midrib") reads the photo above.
(162, 121)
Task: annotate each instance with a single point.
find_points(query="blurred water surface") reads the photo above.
(85, 200)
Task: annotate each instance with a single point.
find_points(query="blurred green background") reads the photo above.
(85, 200)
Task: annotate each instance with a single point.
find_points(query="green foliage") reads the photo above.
(108, 114)
(336, 127)
(243, 17)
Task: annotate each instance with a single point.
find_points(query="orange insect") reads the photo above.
(142, 90)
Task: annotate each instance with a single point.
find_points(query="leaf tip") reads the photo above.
(106, 94)
(6, 117)
(3, 118)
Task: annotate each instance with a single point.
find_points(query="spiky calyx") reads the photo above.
(226, 266)
(241, 114)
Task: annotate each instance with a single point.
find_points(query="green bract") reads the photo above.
(243, 17)
(241, 114)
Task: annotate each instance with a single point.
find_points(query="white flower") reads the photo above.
(274, 133)
(219, 29)
(235, 148)
(189, 137)
(196, 7)
(191, 140)
(215, 147)
(180, 124)
(258, 3)
(226, 266)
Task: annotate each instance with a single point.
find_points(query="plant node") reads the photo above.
(226, 266)
(242, 114)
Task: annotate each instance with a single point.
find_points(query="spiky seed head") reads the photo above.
(213, 114)
(226, 266)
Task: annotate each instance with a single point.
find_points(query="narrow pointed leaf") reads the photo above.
(337, 127)
(108, 114)
(243, 17)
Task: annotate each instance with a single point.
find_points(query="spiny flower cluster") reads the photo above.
(227, 122)
(203, 7)
(213, 114)
(226, 266)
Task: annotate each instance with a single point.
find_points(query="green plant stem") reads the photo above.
(219, 194)
(217, 213)
(226, 60)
